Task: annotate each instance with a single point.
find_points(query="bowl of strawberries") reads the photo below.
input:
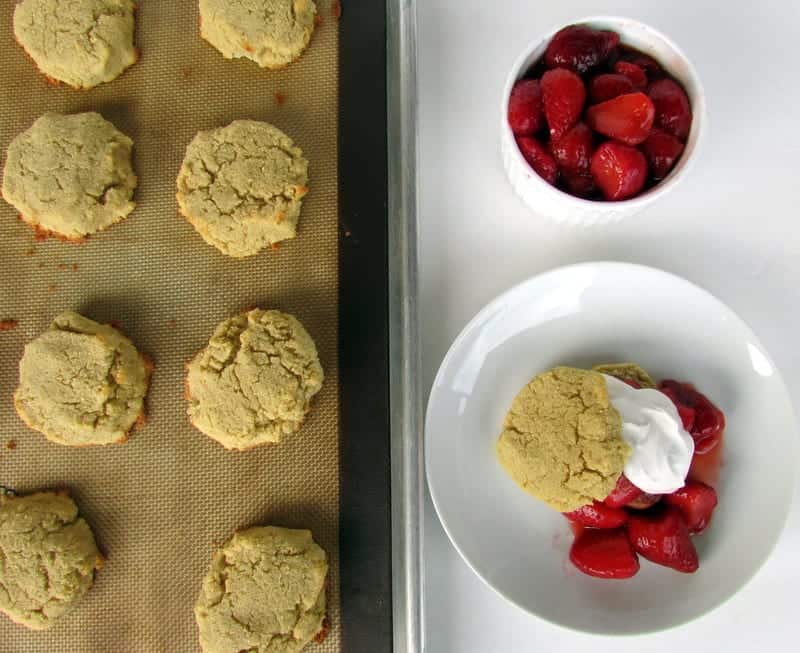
(599, 119)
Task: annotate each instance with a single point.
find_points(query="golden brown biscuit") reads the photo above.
(48, 557)
(254, 381)
(562, 439)
(241, 186)
(265, 592)
(70, 175)
(82, 43)
(273, 33)
(627, 372)
(82, 383)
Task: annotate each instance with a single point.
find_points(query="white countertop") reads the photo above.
(733, 227)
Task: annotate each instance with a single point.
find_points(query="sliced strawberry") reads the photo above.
(623, 493)
(677, 391)
(620, 171)
(607, 86)
(564, 96)
(626, 118)
(687, 416)
(644, 501)
(579, 184)
(644, 61)
(634, 73)
(598, 515)
(539, 158)
(580, 48)
(697, 502)
(686, 413)
(662, 537)
(525, 108)
(672, 110)
(633, 383)
(709, 421)
(604, 554)
(662, 151)
(573, 151)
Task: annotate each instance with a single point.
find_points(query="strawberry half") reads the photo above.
(607, 86)
(564, 95)
(623, 493)
(525, 108)
(598, 515)
(579, 184)
(573, 151)
(686, 413)
(634, 73)
(663, 537)
(709, 421)
(662, 151)
(696, 501)
(672, 110)
(626, 118)
(620, 171)
(539, 158)
(580, 48)
(687, 416)
(604, 554)
(651, 67)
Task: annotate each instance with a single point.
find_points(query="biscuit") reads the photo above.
(241, 186)
(264, 592)
(70, 175)
(82, 43)
(627, 372)
(82, 383)
(273, 33)
(254, 381)
(562, 439)
(48, 557)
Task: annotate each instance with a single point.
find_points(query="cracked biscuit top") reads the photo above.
(48, 557)
(82, 43)
(241, 186)
(273, 33)
(70, 175)
(562, 439)
(254, 381)
(81, 383)
(264, 593)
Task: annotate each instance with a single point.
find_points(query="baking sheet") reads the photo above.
(161, 503)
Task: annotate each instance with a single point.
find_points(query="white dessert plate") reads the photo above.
(598, 313)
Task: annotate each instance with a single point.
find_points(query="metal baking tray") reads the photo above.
(91, 278)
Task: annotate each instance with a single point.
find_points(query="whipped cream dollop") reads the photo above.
(661, 448)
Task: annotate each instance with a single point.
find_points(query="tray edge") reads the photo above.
(404, 353)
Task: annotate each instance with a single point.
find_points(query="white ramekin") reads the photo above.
(547, 200)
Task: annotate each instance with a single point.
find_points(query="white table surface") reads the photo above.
(732, 227)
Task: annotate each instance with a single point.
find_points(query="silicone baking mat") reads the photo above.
(161, 503)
